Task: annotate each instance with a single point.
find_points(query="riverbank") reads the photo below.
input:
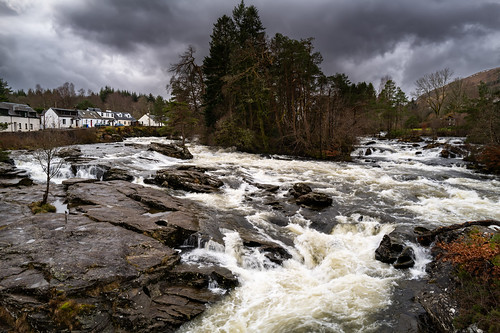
(66, 137)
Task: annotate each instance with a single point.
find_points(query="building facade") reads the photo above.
(19, 117)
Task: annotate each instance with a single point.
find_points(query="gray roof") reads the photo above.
(17, 110)
(68, 113)
(124, 116)
(88, 114)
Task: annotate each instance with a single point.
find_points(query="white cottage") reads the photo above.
(89, 118)
(19, 117)
(149, 120)
(124, 118)
(60, 118)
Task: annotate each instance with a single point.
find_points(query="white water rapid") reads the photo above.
(332, 283)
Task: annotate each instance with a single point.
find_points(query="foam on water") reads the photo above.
(332, 284)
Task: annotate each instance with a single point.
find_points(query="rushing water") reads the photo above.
(332, 283)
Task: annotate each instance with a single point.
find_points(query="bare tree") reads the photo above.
(433, 89)
(47, 157)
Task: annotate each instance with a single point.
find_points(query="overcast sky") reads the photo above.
(129, 44)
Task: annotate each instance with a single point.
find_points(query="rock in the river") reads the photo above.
(299, 189)
(314, 200)
(70, 153)
(388, 250)
(171, 150)
(306, 197)
(187, 180)
(117, 174)
(392, 250)
(10, 176)
(406, 258)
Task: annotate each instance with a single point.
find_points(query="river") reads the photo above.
(332, 283)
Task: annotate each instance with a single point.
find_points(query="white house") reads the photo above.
(19, 117)
(107, 117)
(123, 118)
(149, 120)
(60, 118)
(89, 118)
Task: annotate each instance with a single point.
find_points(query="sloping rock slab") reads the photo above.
(111, 275)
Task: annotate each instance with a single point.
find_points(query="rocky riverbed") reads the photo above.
(150, 242)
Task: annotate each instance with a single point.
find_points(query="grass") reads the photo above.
(37, 208)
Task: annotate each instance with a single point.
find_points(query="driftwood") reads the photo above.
(427, 237)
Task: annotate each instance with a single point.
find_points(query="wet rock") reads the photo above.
(368, 152)
(113, 264)
(299, 189)
(73, 181)
(171, 150)
(450, 151)
(15, 182)
(405, 259)
(117, 174)
(267, 187)
(388, 250)
(191, 181)
(70, 153)
(314, 200)
(392, 250)
(9, 171)
(10, 176)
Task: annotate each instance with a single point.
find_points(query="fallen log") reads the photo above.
(426, 237)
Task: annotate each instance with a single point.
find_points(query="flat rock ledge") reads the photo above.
(110, 265)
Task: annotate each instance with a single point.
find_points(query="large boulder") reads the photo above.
(171, 150)
(392, 250)
(187, 180)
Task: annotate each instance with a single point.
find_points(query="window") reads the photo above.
(25, 126)
(20, 126)
(31, 126)
(64, 121)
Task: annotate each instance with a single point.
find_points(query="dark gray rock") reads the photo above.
(70, 152)
(171, 150)
(388, 250)
(299, 189)
(186, 180)
(314, 200)
(111, 262)
(117, 174)
(392, 250)
(406, 258)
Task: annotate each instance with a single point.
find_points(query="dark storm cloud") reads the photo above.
(126, 24)
(129, 44)
(359, 30)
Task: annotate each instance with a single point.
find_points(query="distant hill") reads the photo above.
(491, 77)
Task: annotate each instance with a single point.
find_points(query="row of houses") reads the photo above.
(21, 117)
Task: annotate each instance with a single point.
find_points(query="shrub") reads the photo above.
(36, 207)
(476, 258)
(490, 157)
